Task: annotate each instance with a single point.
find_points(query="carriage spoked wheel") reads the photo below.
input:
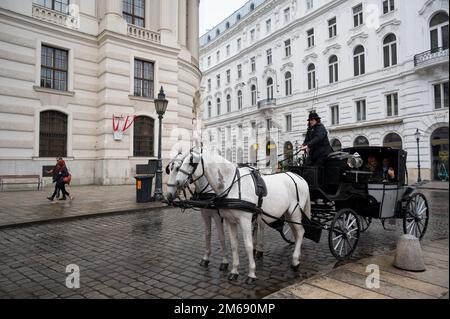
(417, 214)
(287, 235)
(365, 223)
(344, 233)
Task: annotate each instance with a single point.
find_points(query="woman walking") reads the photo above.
(63, 178)
(55, 172)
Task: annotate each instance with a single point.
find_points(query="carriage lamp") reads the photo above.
(161, 107)
(417, 134)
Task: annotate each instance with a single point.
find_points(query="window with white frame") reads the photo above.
(217, 56)
(358, 15)
(269, 89)
(333, 69)
(239, 44)
(309, 4)
(269, 56)
(252, 35)
(441, 95)
(239, 95)
(144, 76)
(209, 85)
(253, 64)
(228, 76)
(388, 6)
(209, 109)
(253, 94)
(239, 71)
(55, 65)
(63, 5)
(392, 104)
(311, 76)
(228, 103)
(359, 64)
(287, 48)
(439, 31)
(218, 107)
(332, 28)
(268, 26)
(390, 50)
(209, 61)
(334, 112)
(228, 48)
(287, 15)
(310, 37)
(288, 83)
(288, 119)
(360, 110)
(218, 80)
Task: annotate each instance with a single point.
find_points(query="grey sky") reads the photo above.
(212, 12)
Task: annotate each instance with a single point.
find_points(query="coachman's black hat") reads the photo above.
(313, 116)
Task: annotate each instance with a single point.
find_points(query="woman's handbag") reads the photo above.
(67, 179)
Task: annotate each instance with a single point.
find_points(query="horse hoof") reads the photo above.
(250, 281)
(233, 277)
(204, 263)
(295, 268)
(223, 267)
(259, 254)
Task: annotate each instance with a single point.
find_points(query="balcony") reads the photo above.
(267, 104)
(431, 58)
(56, 17)
(143, 34)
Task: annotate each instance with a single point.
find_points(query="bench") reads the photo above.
(6, 177)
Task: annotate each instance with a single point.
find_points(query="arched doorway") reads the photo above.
(271, 154)
(336, 145)
(393, 140)
(439, 154)
(361, 141)
(288, 153)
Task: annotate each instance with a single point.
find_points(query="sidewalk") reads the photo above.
(443, 186)
(19, 208)
(349, 281)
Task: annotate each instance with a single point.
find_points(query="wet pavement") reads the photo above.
(156, 254)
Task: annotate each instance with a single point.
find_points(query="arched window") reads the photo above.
(238, 17)
(253, 94)
(269, 89)
(218, 107)
(53, 134)
(228, 103)
(359, 64)
(311, 76)
(239, 95)
(439, 31)
(336, 145)
(288, 83)
(227, 25)
(393, 140)
(209, 109)
(144, 135)
(252, 6)
(333, 69)
(361, 141)
(390, 50)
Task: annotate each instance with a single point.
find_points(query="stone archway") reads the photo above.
(439, 154)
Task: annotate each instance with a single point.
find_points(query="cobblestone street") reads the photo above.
(156, 255)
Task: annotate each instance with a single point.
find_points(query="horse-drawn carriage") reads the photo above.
(345, 197)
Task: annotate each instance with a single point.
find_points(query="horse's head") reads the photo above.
(188, 168)
(172, 170)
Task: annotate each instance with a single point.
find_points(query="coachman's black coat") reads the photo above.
(318, 144)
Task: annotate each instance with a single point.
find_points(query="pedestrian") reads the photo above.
(55, 172)
(316, 141)
(63, 178)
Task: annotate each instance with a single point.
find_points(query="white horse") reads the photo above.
(284, 200)
(201, 187)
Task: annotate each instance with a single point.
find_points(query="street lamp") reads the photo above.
(161, 107)
(417, 134)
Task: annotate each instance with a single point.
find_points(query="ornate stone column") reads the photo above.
(112, 19)
(182, 22)
(193, 25)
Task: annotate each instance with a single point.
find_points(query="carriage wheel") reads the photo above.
(417, 214)
(344, 233)
(287, 235)
(365, 223)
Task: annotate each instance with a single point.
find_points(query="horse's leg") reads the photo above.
(298, 231)
(207, 220)
(245, 222)
(219, 225)
(259, 237)
(232, 229)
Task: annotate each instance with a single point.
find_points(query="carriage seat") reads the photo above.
(260, 185)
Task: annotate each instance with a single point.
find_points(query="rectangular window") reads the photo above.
(239, 71)
(289, 123)
(287, 15)
(134, 12)
(209, 85)
(332, 28)
(309, 4)
(239, 43)
(252, 35)
(217, 56)
(268, 26)
(143, 78)
(218, 80)
(253, 64)
(392, 104)
(228, 76)
(358, 15)
(310, 36)
(361, 110)
(54, 67)
(334, 110)
(228, 50)
(240, 131)
(209, 61)
(388, 6)
(441, 95)
(287, 48)
(57, 5)
(269, 56)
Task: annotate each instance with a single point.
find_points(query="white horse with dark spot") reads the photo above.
(201, 187)
(287, 197)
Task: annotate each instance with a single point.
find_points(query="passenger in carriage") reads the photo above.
(384, 174)
(316, 142)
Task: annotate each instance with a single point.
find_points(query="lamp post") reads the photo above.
(161, 107)
(417, 134)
